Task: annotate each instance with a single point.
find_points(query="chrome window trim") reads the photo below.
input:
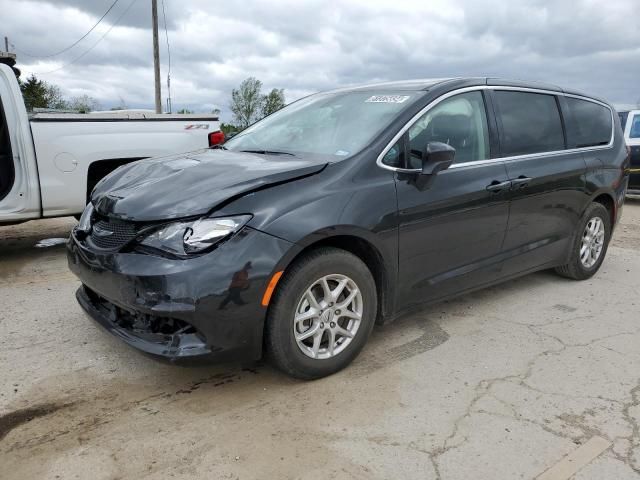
(452, 93)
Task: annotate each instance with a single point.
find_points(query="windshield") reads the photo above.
(339, 124)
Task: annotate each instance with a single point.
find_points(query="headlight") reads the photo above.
(182, 238)
(84, 225)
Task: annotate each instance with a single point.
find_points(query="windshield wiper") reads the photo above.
(268, 152)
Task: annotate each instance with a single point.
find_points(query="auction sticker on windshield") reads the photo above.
(387, 99)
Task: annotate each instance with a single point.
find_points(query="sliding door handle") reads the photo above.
(497, 186)
(520, 182)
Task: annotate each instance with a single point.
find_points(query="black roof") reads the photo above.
(429, 83)
(458, 82)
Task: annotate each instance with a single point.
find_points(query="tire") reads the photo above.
(576, 269)
(295, 357)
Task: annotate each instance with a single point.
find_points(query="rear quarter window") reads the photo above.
(591, 123)
(530, 123)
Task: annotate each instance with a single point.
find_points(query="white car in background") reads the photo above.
(50, 162)
(630, 121)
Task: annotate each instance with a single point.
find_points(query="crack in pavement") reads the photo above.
(483, 388)
(634, 438)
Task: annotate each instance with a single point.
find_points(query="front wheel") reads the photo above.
(590, 244)
(321, 315)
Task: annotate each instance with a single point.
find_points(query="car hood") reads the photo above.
(193, 183)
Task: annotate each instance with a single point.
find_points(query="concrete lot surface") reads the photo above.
(538, 375)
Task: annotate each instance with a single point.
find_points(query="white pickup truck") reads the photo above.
(49, 163)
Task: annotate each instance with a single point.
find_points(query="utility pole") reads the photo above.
(156, 54)
(9, 58)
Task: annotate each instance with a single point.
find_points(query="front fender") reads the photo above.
(334, 202)
(337, 202)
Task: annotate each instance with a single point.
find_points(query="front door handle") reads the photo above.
(497, 186)
(520, 182)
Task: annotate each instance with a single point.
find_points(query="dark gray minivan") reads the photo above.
(347, 208)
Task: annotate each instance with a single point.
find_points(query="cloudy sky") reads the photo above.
(308, 45)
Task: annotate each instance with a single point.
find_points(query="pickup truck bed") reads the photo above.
(75, 151)
(50, 162)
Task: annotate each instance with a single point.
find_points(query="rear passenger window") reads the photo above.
(530, 123)
(591, 123)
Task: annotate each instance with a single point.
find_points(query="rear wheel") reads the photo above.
(321, 315)
(589, 245)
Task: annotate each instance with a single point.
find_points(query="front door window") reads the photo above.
(459, 121)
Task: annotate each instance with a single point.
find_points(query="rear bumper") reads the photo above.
(181, 309)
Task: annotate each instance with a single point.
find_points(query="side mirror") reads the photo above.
(437, 156)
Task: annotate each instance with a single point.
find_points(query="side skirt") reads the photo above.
(417, 308)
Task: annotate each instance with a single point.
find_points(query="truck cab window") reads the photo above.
(635, 127)
(6, 159)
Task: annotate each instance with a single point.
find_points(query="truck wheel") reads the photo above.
(590, 244)
(321, 314)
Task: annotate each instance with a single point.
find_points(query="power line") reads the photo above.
(166, 34)
(22, 52)
(92, 46)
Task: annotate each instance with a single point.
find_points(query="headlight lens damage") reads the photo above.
(183, 238)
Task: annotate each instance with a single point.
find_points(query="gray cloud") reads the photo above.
(315, 45)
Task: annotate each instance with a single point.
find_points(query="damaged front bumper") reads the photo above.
(181, 309)
(159, 336)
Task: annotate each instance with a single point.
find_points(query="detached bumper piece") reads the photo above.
(164, 337)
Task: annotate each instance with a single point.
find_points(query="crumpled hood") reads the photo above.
(192, 183)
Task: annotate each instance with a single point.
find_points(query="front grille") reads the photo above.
(112, 234)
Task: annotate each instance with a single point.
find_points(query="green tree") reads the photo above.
(246, 102)
(228, 128)
(185, 111)
(273, 101)
(40, 94)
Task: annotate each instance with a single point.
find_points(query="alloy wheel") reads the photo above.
(592, 242)
(328, 316)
